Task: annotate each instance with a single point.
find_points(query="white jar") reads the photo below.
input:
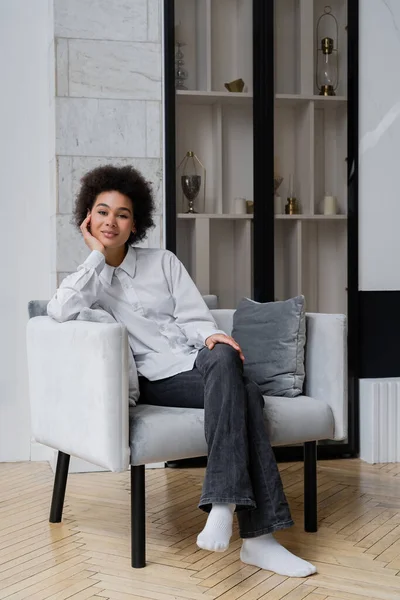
(239, 206)
(278, 206)
(330, 205)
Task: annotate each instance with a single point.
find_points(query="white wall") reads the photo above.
(24, 202)
(379, 175)
(379, 205)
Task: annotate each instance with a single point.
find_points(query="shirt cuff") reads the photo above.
(96, 260)
(203, 335)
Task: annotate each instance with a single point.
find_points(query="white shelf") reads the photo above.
(250, 216)
(311, 217)
(286, 100)
(202, 97)
(213, 216)
(236, 98)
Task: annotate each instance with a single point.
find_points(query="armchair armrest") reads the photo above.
(326, 365)
(78, 388)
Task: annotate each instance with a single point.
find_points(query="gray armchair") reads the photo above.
(78, 382)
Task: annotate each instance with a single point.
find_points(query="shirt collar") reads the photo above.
(128, 265)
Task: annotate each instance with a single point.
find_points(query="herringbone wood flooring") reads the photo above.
(356, 550)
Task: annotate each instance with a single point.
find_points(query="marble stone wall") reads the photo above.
(108, 62)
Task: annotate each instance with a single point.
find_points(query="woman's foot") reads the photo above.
(266, 553)
(218, 530)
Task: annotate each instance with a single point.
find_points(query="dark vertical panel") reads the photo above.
(379, 318)
(263, 147)
(169, 125)
(352, 231)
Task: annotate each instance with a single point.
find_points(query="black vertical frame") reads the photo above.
(263, 150)
(263, 222)
(352, 225)
(169, 124)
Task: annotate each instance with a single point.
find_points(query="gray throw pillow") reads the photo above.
(272, 336)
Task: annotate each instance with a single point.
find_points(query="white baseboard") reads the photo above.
(380, 420)
(40, 453)
(78, 465)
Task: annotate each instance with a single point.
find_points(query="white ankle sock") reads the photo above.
(218, 529)
(266, 552)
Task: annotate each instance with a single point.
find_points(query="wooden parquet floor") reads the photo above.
(356, 550)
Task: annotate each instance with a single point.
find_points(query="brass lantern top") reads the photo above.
(327, 45)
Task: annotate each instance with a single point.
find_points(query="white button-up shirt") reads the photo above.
(152, 294)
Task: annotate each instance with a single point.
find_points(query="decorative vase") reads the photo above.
(193, 179)
(235, 86)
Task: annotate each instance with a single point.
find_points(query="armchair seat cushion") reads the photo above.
(160, 433)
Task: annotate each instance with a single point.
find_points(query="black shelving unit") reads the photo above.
(263, 170)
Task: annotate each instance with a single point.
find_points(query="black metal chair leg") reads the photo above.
(138, 516)
(60, 483)
(310, 487)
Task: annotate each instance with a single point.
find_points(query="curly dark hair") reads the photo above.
(125, 180)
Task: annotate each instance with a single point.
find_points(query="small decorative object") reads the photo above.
(292, 206)
(327, 63)
(277, 205)
(235, 86)
(181, 73)
(240, 206)
(277, 199)
(250, 207)
(191, 180)
(330, 205)
(277, 182)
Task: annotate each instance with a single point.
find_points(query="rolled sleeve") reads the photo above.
(77, 291)
(96, 260)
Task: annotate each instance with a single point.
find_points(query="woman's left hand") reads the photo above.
(221, 338)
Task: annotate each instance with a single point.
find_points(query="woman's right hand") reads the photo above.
(91, 242)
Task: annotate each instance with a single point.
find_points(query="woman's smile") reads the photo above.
(109, 234)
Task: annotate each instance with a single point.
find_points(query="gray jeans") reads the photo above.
(241, 467)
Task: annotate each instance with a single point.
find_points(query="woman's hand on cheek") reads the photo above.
(91, 242)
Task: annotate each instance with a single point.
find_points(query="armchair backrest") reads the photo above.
(37, 308)
(224, 319)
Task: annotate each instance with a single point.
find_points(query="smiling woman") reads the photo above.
(183, 360)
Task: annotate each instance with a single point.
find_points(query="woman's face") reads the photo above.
(112, 219)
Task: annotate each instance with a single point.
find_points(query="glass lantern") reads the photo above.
(193, 179)
(327, 67)
(181, 73)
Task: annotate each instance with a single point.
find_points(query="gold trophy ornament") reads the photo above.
(193, 178)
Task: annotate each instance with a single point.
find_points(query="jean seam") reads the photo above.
(228, 500)
(265, 480)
